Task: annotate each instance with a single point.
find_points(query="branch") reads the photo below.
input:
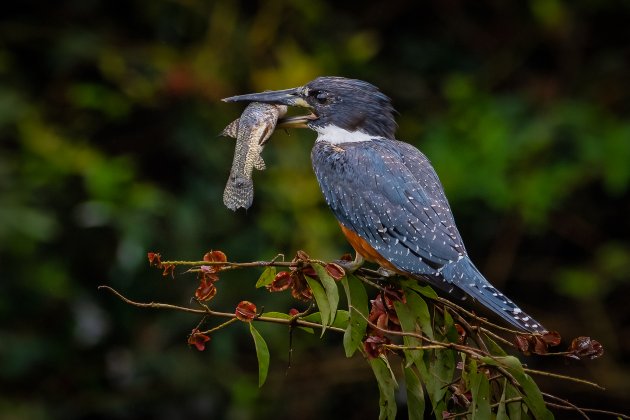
(566, 378)
(473, 316)
(582, 410)
(208, 311)
(567, 405)
(378, 277)
(152, 305)
(493, 405)
(495, 336)
(478, 329)
(477, 353)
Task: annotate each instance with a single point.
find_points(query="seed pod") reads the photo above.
(245, 311)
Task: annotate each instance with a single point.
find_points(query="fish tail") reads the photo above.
(238, 193)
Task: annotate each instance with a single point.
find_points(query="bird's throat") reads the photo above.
(336, 135)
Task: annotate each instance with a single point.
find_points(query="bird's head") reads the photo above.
(350, 104)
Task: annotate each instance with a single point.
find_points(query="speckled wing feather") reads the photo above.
(395, 202)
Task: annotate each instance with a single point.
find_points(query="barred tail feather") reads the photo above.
(467, 277)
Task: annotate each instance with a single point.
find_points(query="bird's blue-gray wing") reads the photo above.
(391, 197)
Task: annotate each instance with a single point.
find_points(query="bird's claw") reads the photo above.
(351, 266)
(386, 273)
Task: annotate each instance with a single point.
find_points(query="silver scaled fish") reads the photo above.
(251, 131)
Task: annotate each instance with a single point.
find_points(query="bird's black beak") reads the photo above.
(290, 97)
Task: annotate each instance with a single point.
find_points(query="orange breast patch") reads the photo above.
(362, 247)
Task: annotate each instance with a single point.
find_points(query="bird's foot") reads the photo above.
(386, 273)
(351, 266)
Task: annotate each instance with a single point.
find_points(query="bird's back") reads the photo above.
(388, 193)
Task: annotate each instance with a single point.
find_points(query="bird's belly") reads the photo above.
(362, 247)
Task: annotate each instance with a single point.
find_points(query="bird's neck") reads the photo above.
(336, 135)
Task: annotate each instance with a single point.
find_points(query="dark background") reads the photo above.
(109, 115)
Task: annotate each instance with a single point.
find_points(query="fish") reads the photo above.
(251, 131)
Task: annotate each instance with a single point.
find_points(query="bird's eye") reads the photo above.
(320, 96)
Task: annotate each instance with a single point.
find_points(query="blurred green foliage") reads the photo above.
(109, 115)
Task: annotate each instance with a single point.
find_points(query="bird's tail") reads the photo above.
(466, 277)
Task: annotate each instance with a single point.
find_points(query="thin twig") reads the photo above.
(370, 282)
(291, 325)
(566, 378)
(508, 401)
(218, 327)
(585, 410)
(495, 336)
(442, 301)
(210, 312)
(473, 316)
(608, 413)
(152, 305)
(465, 349)
(227, 264)
(494, 405)
(402, 347)
(567, 405)
(469, 331)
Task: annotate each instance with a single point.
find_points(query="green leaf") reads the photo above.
(408, 324)
(330, 286)
(358, 300)
(445, 366)
(341, 318)
(421, 311)
(437, 370)
(493, 347)
(262, 353)
(501, 409)
(437, 366)
(386, 386)
(282, 315)
(480, 389)
(449, 327)
(314, 317)
(470, 370)
(279, 315)
(514, 408)
(415, 395)
(423, 290)
(266, 277)
(532, 395)
(322, 301)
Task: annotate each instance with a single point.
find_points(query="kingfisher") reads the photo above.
(385, 193)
